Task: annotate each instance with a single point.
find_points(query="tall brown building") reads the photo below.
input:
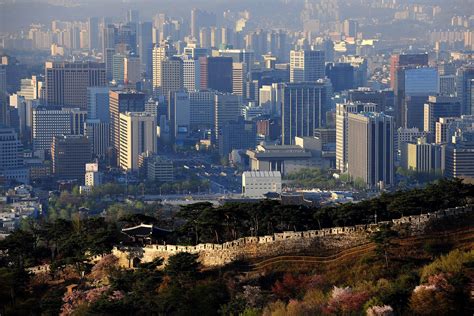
(67, 82)
(70, 153)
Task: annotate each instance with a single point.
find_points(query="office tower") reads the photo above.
(226, 108)
(11, 157)
(69, 154)
(306, 65)
(464, 85)
(350, 28)
(398, 64)
(98, 103)
(138, 135)
(179, 113)
(145, 48)
(160, 53)
(3, 78)
(342, 112)
(441, 130)
(341, 76)
(252, 90)
(191, 73)
(419, 84)
(93, 176)
(171, 76)
(421, 156)
(205, 37)
(121, 102)
(67, 82)
(370, 155)
(132, 70)
(304, 105)
(98, 134)
(219, 74)
(447, 85)
(201, 104)
(239, 82)
(48, 123)
(360, 66)
(93, 30)
(109, 40)
(459, 161)
(437, 107)
(238, 134)
(118, 68)
(159, 169)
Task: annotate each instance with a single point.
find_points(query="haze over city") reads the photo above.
(224, 157)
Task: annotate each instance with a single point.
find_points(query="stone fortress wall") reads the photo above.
(288, 242)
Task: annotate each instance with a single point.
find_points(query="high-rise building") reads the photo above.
(460, 158)
(179, 113)
(419, 84)
(200, 19)
(407, 135)
(138, 135)
(145, 48)
(398, 64)
(383, 98)
(238, 134)
(121, 102)
(246, 56)
(132, 70)
(201, 105)
(350, 28)
(93, 31)
(48, 123)
(226, 108)
(98, 103)
(98, 134)
(304, 108)
(447, 85)
(219, 74)
(239, 77)
(447, 127)
(341, 76)
(342, 112)
(464, 85)
(370, 148)
(159, 54)
(437, 107)
(70, 154)
(67, 82)
(191, 73)
(11, 157)
(306, 65)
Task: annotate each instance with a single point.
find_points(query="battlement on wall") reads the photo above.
(336, 238)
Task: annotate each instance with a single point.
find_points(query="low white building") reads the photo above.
(93, 176)
(255, 184)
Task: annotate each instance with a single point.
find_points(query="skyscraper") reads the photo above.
(67, 82)
(306, 65)
(341, 76)
(464, 88)
(93, 25)
(11, 157)
(238, 134)
(160, 53)
(98, 103)
(138, 135)
(145, 48)
(48, 123)
(191, 73)
(398, 64)
(121, 102)
(70, 153)
(304, 107)
(98, 134)
(219, 74)
(226, 109)
(370, 148)
(342, 113)
(437, 107)
(201, 105)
